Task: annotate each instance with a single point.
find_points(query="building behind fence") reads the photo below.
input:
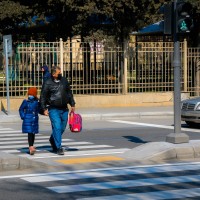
(98, 68)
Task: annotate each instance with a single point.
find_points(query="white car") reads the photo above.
(190, 111)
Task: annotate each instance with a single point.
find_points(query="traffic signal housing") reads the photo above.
(168, 15)
(184, 17)
(167, 11)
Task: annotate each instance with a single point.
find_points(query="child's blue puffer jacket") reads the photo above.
(29, 114)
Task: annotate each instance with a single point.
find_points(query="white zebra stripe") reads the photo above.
(42, 144)
(162, 195)
(23, 138)
(3, 129)
(112, 172)
(75, 153)
(15, 134)
(11, 131)
(124, 184)
(36, 142)
(21, 142)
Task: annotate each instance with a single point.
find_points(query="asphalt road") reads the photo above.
(124, 132)
(103, 137)
(91, 179)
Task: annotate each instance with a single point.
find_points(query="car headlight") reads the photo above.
(198, 107)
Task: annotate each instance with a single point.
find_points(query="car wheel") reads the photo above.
(192, 124)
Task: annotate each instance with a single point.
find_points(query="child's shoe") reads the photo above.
(31, 150)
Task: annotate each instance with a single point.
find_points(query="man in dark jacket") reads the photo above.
(55, 96)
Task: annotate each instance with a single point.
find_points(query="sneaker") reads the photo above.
(51, 140)
(60, 151)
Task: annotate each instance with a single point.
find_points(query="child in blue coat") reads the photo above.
(28, 111)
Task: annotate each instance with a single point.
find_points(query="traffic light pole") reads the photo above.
(177, 137)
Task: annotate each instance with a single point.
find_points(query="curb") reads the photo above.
(95, 116)
(163, 151)
(10, 162)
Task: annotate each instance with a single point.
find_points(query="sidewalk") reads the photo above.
(102, 113)
(153, 151)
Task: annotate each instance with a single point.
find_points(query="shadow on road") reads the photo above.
(135, 139)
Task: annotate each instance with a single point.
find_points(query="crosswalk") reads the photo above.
(15, 142)
(153, 182)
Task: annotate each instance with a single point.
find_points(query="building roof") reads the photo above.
(153, 28)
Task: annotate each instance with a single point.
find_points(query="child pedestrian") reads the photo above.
(28, 111)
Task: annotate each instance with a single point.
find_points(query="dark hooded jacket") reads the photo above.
(46, 73)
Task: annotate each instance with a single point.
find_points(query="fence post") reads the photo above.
(185, 67)
(125, 88)
(61, 55)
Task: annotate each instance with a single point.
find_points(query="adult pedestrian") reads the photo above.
(55, 97)
(46, 73)
(28, 111)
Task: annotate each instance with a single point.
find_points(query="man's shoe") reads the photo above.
(51, 140)
(60, 151)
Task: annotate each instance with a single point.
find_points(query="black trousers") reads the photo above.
(31, 139)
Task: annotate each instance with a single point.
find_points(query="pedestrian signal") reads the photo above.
(184, 17)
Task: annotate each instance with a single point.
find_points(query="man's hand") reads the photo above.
(72, 109)
(46, 113)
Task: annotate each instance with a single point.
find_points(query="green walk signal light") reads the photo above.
(185, 25)
(184, 20)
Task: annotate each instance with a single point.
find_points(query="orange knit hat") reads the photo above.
(32, 91)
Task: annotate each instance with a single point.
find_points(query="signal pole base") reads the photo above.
(177, 138)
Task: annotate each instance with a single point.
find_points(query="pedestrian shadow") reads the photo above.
(24, 150)
(135, 139)
(38, 148)
(72, 149)
(45, 148)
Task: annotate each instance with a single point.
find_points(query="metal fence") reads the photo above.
(102, 68)
(150, 67)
